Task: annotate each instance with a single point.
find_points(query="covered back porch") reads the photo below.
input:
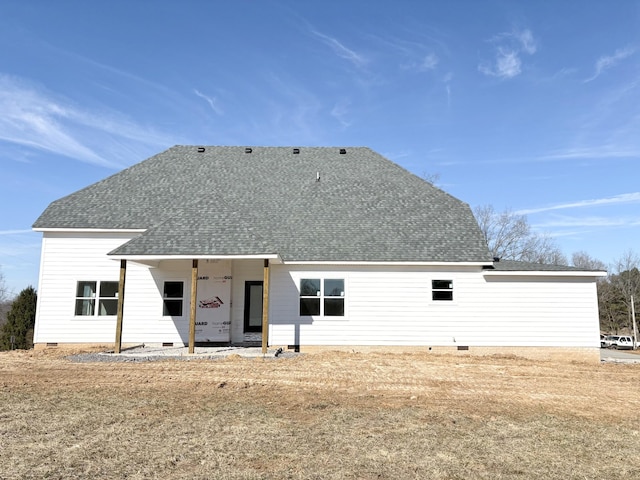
(222, 300)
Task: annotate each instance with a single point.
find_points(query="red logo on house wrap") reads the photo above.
(214, 302)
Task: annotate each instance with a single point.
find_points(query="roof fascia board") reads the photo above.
(544, 273)
(157, 258)
(437, 264)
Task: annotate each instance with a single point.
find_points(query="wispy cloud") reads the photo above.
(594, 152)
(624, 198)
(608, 61)
(509, 49)
(14, 232)
(292, 112)
(341, 50)
(507, 64)
(212, 101)
(429, 62)
(32, 119)
(527, 42)
(36, 118)
(588, 222)
(425, 63)
(340, 112)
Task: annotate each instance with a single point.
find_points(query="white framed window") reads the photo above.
(442, 290)
(93, 293)
(173, 299)
(322, 297)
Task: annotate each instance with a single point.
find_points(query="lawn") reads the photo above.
(323, 416)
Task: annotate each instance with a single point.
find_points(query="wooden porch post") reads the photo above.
(265, 307)
(192, 316)
(123, 273)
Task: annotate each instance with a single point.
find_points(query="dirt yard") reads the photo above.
(323, 416)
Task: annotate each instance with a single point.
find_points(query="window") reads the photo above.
(442, 289)
(173, 295)
(108, 299)
(86, 298)
(322, 297)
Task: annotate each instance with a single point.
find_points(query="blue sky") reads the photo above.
(530, 106)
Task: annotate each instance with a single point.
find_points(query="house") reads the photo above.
(295, 247)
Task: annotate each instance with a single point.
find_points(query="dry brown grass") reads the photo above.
(331, 415)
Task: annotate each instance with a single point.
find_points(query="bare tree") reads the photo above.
(4, 293)
(627, 278)
(432, 178)
(509, 236)
(5, 304)
(612, 310)
(585, 261)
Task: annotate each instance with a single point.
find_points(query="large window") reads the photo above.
(173, 298)
(322, 297)
(442, 289)
(103, 294)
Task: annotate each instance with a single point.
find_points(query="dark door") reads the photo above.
(253, 306)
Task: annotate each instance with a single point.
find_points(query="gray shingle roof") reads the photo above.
(517, 266)
(223, 201)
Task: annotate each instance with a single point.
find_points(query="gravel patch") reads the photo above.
(157, 354)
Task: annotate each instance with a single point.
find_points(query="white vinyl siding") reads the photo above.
(394, 306)
(69, 258)
(383, 305)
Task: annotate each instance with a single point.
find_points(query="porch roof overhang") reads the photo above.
(154, 260)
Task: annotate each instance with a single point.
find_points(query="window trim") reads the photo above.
(165, 297)
(95, 299)
(443, 289)
(322, 297)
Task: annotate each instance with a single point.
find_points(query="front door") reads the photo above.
(253, 306)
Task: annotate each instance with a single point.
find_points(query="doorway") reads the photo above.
(253, 306)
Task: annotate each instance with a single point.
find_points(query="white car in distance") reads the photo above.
(621, 342)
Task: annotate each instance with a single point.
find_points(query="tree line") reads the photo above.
(17, 318)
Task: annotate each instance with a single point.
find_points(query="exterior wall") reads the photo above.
(69, 257)
(384, 305)
(143, 321)
(66, 259)
(393, 306)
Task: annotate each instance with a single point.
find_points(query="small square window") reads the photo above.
(322, 297)
(172, 308)
(173, 293)
(86, 289)
(109, 289)
(334, 307)
(334, 287)
(442, 290)
(85, 307)
(106, 298)
(309, 306)
(310, 287)
(173, 289)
